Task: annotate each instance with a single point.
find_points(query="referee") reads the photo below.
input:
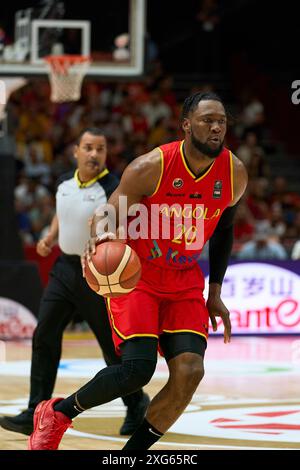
(67, 294)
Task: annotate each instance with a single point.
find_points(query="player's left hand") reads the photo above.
(216, 308)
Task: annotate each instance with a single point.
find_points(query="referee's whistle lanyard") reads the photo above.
(86, 184)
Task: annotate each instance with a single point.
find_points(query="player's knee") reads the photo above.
(197, 374)
(138, 373)
(191, 372)
(142, 372)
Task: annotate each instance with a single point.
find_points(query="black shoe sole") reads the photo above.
(22, 429)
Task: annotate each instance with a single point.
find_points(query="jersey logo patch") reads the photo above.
(177, 183)
(217, 192)
(89, 197)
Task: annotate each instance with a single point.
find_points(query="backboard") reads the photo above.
(113, 38)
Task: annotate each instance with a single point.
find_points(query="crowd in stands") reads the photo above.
(136, 117)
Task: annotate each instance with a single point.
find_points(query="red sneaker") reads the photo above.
(48, 426)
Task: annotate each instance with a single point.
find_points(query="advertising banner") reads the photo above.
(263, 297)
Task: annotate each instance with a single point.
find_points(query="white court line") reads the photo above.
(99, 437)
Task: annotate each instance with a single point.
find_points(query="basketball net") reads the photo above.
(66, 73)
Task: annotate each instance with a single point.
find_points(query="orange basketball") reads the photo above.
(114, 269)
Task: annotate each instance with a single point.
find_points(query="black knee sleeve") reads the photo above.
(134, 374)
(139, 357)
(138, 365)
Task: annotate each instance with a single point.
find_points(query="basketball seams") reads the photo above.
(112, 285)
(104, 290)
(132, 280)
(114, 278)
(120, 289)
(98, 276)
(106, 269)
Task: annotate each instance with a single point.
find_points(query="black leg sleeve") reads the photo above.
(138, 365)
(94, 312)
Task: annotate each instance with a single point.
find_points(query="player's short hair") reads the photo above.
(192, 101)
(91, 130)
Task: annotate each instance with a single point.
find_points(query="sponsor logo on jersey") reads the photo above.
(190, 212)
(177, 183)
(174, 194)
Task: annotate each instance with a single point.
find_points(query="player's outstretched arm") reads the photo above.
(139, 179)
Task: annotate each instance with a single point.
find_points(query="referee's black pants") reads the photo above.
(67, 293)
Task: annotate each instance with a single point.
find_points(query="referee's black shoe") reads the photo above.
(22, 423)
(135, 416)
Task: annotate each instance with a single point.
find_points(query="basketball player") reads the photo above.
(67, 292)
(167, 308)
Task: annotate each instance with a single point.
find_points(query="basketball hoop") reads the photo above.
(66, 73)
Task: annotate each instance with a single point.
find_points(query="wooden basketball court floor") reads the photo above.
(249, 398)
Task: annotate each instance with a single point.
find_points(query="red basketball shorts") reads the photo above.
(164, 301)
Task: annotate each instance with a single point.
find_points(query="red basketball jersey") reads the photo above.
(184, 210)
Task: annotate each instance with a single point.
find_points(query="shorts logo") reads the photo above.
(177, 183)
(217, 192)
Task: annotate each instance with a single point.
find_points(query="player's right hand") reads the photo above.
(43, 247)
(90, 247)
(216, 308)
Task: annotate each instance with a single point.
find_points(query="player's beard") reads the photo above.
(205, 148)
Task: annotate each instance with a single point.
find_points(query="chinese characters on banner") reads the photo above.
(262, 298)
